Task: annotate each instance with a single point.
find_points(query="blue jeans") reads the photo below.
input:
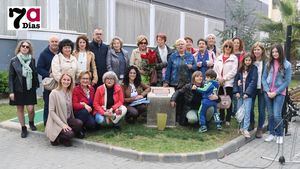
(46, 94)
(261, 108)
(86, 118)
(206, 103)
(274, 107)
(248, 104)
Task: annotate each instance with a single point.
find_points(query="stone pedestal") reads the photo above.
(160, 103)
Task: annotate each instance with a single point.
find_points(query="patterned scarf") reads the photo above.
(26, 70)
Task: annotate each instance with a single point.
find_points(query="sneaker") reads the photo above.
(203, 129)
(117, 119)
(270, 138)
(227, 123)
(219, 127)
(279, 140)
(246, 134)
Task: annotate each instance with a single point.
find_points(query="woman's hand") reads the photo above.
(12, 96)
(173, 104)
(271, 95)
(194, 87)
(88, 108)
(189, 66)
(245, 96)
(213, 97)
(66, 128)
(138, 97)
(221, 81)
(239, 83)
(165, 85)
(237, 95)
(199, 64)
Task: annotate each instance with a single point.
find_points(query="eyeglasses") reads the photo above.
(227, 46)
(110, 79)
(143, 43)
(25, 46)
(85, 78)
(98, 33)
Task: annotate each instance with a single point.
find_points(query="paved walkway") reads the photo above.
(35, 152)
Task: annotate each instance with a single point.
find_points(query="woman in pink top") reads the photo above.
(276, 78)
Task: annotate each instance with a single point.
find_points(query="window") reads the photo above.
(82, 15)
(167, 21)
(194, 27)
(214, 25)
(132, 19)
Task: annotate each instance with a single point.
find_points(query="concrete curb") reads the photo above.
(218, 153)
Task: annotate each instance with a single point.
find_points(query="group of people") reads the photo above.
(98, 84)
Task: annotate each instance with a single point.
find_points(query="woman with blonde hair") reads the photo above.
(23, 82)
(117, 59)
(61, 125)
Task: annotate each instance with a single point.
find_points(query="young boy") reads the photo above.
(211, 86)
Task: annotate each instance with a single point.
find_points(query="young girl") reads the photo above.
(244, 89)
(276, 78)
(258, 55)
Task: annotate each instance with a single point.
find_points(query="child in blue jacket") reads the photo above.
(244, 88)
(211, 86)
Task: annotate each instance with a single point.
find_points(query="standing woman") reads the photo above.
(65, 61)
(258, 53)
(117, 59)
(136, 59)
(276, 78)
(238, 49)
(85, 57)
(211, 44)
(23, 82)
(226, 68)
(61, 125)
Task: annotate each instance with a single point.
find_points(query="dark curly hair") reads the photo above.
(85, 38)
(137, 80)
(66, 42)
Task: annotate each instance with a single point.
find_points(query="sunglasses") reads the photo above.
(227, 46)
(143, 43)
(25, 46)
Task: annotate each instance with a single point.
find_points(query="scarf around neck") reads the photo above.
(26, 70)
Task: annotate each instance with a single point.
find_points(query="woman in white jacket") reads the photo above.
(226, 68)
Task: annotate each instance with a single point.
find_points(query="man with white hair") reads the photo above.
(43, 68)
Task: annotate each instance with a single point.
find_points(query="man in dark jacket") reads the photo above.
(100, 50)
(43, 69)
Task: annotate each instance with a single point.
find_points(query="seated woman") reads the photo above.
(192, 100)
(83, 98)
(61, 125)
(108, 102)
(134, 89)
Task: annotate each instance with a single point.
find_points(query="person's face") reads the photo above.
(228, 48)
(98, 35)
(85, 80)
(66, 50)
(24, 48)
(211, 40)
(202, 46)
(66, 81)
(143, 45)
(82, 44)
(275, 53)
(236, 44)
(109, 82)
(181, 46)
(132, 75)
(257, 51)
(189, 44)
(198, 79)
(53, 43)
(248, 61)
(160, 41)
(116, 45)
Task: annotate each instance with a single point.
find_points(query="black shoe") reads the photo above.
(54, 143)
(67, 143)
(251, 127)
(117, 128)
(24, 132)
(32, 126)
(80, 135)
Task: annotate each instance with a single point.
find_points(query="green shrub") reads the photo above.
(4, 82)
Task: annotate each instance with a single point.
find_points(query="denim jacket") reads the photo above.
(173, 75)
(282, 79)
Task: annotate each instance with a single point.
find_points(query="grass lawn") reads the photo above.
(8, 112)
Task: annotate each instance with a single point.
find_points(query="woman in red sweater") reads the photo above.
(109, 100)
(83, 98)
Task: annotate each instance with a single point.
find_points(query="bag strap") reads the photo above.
(50, 70)
(224, 90)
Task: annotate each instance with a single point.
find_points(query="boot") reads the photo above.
(32, 126)
(24, 132)
(259, 133)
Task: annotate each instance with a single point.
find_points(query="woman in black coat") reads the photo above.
(23, 82)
